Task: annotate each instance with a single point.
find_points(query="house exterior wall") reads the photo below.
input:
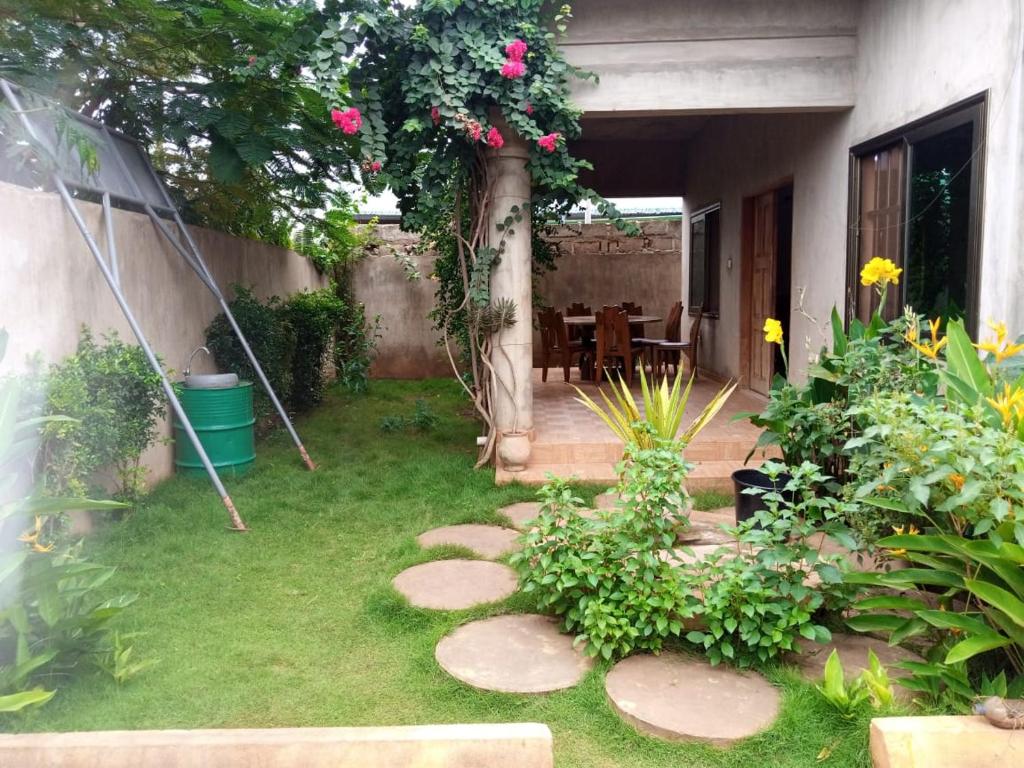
(693, 55)
(737, 156)
(52, 286)
(917, 57)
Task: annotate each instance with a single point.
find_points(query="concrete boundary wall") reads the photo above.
(516, 745)
(51, 285)
(598, 265)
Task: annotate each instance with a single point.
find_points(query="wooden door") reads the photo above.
(764, 244)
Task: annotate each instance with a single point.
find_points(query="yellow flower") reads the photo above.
(999, 347)
(928, 350)
(957, 480)
(773, 331)
(1009, 404)
(31, 536)
(880, 272)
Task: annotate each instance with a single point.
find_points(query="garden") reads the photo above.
(891, 513)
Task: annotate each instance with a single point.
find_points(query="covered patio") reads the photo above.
(571, 441)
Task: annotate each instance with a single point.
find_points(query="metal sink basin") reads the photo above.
(211, 380)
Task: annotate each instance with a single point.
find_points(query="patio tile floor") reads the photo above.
(570, 440)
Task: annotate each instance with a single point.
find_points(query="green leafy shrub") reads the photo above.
(269, 335)
(114, 400)
(423, 419)
(313, 317)
(758, 598)
(605, 579)
(355, 341)
(54, 617)
(871, 686)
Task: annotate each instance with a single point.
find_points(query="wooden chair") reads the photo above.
(614, 341)
(579, 333)
(637, 329)
(665, 351)
(554, 337)
(675, 315)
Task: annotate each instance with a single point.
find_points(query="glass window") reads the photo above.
(704, 260)
(917, 198)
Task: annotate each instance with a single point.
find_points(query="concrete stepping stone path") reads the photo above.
(523, 653)
(679, 698)
(452, 585)
(521, 514)
(490, 541)
(853, 653)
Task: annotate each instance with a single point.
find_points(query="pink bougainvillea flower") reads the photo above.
(375, 166)
(252, 60)
(513, 69)
(348, 120)
(495, 139)
(474, 129)
(549, 142)
(435, 115)
(529, 108)
(516, 50)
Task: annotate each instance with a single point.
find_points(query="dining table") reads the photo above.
(588, 321)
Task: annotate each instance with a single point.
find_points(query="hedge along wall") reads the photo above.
(51, 285)
(598, 266)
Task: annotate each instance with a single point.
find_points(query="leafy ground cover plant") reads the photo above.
(757, 599)
(53, 620)
(112, 399)
(605, 579)
(423, 419)
(870, 686)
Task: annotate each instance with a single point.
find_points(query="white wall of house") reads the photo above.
(736, 156)
(916, 57)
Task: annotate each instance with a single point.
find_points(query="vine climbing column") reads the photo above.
(512, 279)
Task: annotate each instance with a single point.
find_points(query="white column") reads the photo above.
(512, 278)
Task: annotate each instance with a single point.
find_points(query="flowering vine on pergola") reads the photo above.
(429, 93)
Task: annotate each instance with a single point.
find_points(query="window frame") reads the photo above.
(971, 110)
(692, 218)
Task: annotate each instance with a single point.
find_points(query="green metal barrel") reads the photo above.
(223, 419)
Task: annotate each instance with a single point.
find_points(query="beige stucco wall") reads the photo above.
(713, 55)
(598, 265)
(51, 285)
(737, 156)
(919, 56)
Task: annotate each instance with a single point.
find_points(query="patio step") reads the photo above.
(706, 476)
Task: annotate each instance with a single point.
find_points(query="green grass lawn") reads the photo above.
(296, 624)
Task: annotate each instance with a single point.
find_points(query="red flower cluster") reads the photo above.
(349, 120)
(514, 66)
(375, 166)
(435, 115)
(529, 108)
(495, 139)
(549, 142)
(474, 129)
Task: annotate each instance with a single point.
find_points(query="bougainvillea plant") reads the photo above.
(429, 91)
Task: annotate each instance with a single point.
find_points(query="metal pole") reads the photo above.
(236, 521)
(108, 221)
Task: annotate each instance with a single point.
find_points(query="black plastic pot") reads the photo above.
(748, 504)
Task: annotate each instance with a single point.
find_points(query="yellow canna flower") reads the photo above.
(773, 331)
(31, 536)
(999, 347)
(880, 272)
(1009, 404)
(928, 350)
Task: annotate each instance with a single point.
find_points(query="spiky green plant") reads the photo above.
(664, 407)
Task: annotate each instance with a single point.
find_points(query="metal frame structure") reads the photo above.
(141, 189)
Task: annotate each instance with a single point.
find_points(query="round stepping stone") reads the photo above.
(452, 585)
(512, 654)
(521, 514)
(678, 698)
(853, 653)
(489, 541)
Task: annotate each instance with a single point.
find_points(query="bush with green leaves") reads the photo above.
(114, 400)
(313, 317)
(54, 616)
(423, 419)
(605, 579)
(355, 341)
(871, 686)
(269, 335)
(761, 596)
